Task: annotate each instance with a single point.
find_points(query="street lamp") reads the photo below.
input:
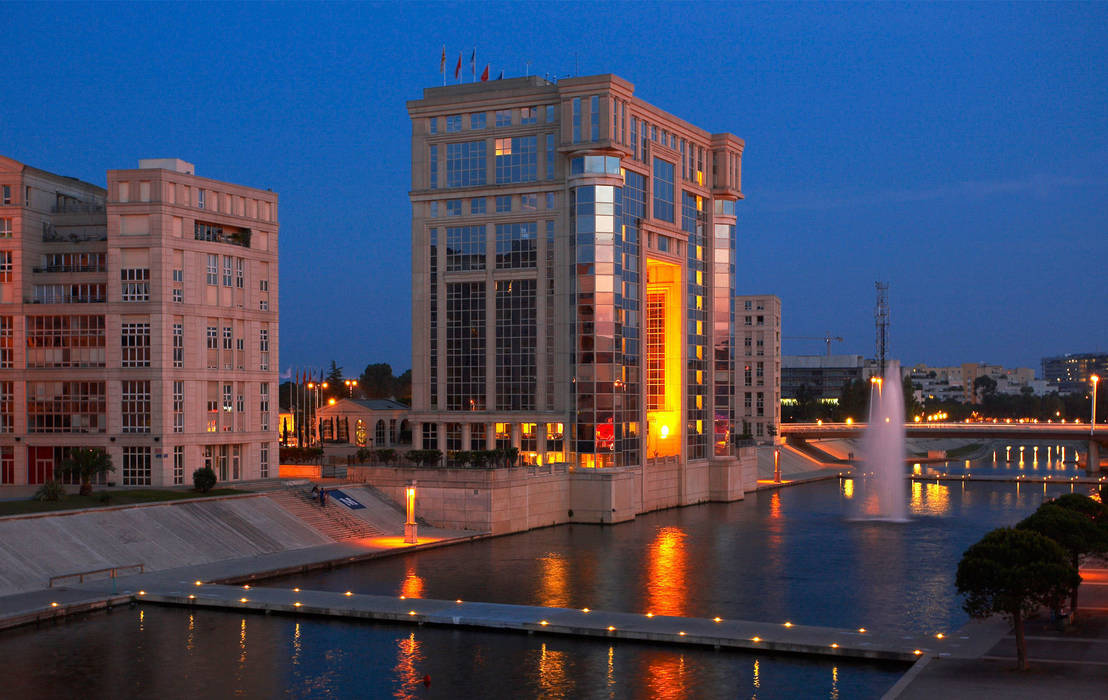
(316, 389)
(1092, 427)
(410, 534)
(350, 384)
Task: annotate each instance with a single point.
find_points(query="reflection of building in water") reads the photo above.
(554, 678)
(554, 591)
(412, 587)
(667, 584)
(666, 675)
(573, 260)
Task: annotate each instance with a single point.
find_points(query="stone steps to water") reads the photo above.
(715, 632)
(330, 521)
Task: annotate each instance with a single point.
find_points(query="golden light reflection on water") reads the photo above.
(554, 581)
(775, 505)
(611, 668)
(757, 679)
(666, 676)
(848, 488)
(408, 655)
(242, 641)
(667, 572)
(834, 683)
(192, 631)
(553, 678)
(296, 645)
(929, 499)
(412, 587)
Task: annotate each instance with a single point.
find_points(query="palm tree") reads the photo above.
(87, 463)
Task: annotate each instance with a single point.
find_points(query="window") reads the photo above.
(263, 305)
(465, 347)
(663, 190)
(433, 180)
(227, 337)
(550, 114)
(434, 208)
(178, 407)
(213, 338)
(576, 119)
(178, 465)
(517, 159)
(453, 207)
(477, 205)
(529, 202)
(549, 200)
(68, 293)
(516, 334)
(135, 406)
(227, 263)
(7, 342)
(263, 348)
(7, 410)
(5, 266)
(263, 285)
(465, 248)
(178, 275)
(503, 203)
(477, 120)
(594, 118)
(515, 245)
(178, 296)
(57, 341)
(263, 461)
(178, 345)
(240, 273)
(263, 405)
(134, 344)
(5, 227)
(503, 117)
(453, 123)
(199, 199)
(136, 465)
(213, 269)
(528, 115)
(550, 156)
(433, 125)
(135, 284)
(66, 407)
(465, 164)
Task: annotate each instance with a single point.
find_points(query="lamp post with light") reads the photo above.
(350, 384)
(410, 527)
(316, 389)
(1095, 379)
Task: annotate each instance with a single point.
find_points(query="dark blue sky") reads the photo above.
(958, 151)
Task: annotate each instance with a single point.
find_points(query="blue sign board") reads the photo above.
(342, 498)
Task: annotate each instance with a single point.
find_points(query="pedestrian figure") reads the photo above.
(315, 492)
(322, 498)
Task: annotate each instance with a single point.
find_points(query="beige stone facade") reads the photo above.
(141, 319)
(758, 363)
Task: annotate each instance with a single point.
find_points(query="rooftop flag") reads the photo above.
(485, 75)
(458, 68)
(473, 63)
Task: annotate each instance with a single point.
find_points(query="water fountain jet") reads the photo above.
(883, 450)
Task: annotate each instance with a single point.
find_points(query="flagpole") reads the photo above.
(442, 65)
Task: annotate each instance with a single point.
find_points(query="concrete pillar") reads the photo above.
(465, 437)
(515, 435)
(540, 441)
(388, 434)
(442, 439)
(417, 434)
(490, 436)
(1093, 465)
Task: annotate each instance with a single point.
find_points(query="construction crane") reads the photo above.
(827, 339)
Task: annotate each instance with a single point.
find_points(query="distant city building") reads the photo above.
(573, 259)
(365, 423)
(823, 376)
(1069, 374)
(141, 320)
(957, 383)
(758, 363)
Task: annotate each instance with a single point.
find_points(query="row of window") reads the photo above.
(502, 204)
(205, 199)
(81, 407)
(454, 123)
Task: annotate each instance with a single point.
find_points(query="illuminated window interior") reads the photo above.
(663, 351)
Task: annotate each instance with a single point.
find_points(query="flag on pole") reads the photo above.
(485, 75)
(442, 60)
(458, 68)
(473, 64)
(501, 76)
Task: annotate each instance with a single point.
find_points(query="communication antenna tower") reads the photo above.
(881, 321)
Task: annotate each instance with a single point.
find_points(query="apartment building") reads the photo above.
(140, 319)
(758, 351)
(573, 257)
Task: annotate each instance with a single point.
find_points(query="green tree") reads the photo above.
(1072, 525)
(203, 479)
(984, 388)
(911, 406)
(377, 381)
(1014, 572)
(854, 400)
(335, 388)
(86, 464)
(403, 390)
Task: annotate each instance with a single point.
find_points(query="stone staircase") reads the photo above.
(333, 520)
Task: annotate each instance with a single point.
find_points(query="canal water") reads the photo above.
(785, 555)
